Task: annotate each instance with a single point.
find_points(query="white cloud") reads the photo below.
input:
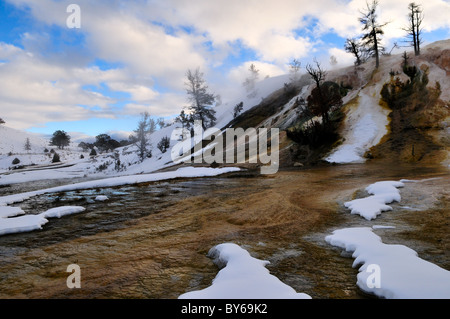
(166, 104)
(144, 48)
(156, 41)
(35, 91)
(139, 93)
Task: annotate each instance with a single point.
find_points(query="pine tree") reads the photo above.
(238, 109)
(201, 100)
(373, 31)
(250, 82)
(27, 145)
(164, 144)
(141, 140)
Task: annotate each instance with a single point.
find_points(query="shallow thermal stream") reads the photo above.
(151, 240)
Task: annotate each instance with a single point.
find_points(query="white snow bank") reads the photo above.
(6, 211)
(353, 150)
(382, 193)
(186, 172)
(59, 212)
(243, 277)
(101, 198)
(365, 126)
(402, 274)
(27, 223)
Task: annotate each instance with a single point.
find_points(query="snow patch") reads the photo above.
(243, 277)
(403, 275)
(28, 223)
(382, 193)
(365, 126)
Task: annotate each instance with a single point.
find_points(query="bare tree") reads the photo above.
(317, 73)
(355, 47)
(325, 97)
(414, 29)
(318, 76)
(152, 125)
(373, 31)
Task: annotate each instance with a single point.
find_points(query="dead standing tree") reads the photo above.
(325, 97)
(414, 29)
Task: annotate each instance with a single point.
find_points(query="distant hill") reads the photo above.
(12, 140)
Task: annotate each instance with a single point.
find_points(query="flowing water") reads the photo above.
(151, 240)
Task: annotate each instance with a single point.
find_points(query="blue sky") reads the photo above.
(131, 56)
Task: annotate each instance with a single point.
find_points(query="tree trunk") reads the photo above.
(375, 46)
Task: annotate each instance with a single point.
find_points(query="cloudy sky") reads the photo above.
(132, 56)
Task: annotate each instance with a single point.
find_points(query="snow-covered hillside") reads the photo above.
(104, 165)
(12, 140)
(365, 124)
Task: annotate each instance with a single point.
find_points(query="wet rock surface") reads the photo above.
(151, 240)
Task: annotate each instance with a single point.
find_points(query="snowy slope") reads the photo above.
(365, 125)
(366, 120)
(103, 165)
(12, 140)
